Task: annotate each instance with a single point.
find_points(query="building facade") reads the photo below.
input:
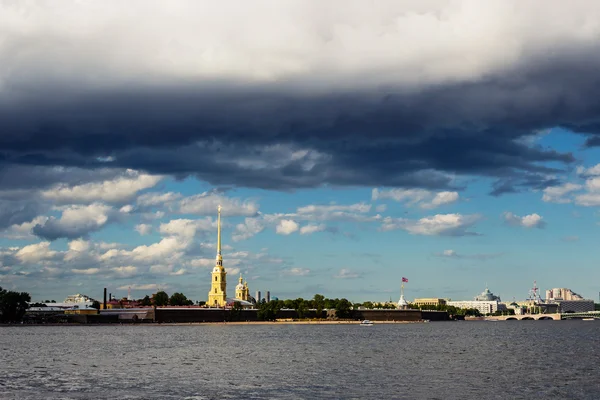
(562, 294)
(486, 295)
(242, 292)
(429, 302)
(78, 298)
(217, 296)
(484, 307)
(575, 306)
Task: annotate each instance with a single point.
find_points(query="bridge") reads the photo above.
(582, 315)
(555, 317)
(526, 317)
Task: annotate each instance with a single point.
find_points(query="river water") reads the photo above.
(443, 360)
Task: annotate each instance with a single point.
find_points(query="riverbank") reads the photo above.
(278, 322)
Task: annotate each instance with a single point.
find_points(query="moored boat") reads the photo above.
(366, 322)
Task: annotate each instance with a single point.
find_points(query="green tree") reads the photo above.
(268, 311)
(343, 308)
(319, 304)
(302, 309)
(13, 305)
(96, 304)
(160, 299)
(146, 301)
(235, 313)
(179, 299)
(368, 304)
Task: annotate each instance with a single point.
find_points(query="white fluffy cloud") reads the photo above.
(125, 271)
(297, 271)
(412, 197)
(118, 190)
(556, 194)
(312, 228)
(143, 229)
(286, 227)
(345, 273)
(75, 221)
(157, 199)
(246, 230)
(147, 286)
(207, 203)
(358, 213)
(188, 227)
(35, 253)
(77, 249)
(197, 41)
(528, 221)
(86, 271)
(591, 171)
(438, 225)
(455, 255)
(24, 230)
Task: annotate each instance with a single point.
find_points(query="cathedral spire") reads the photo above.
(219, 256)
(217, 297)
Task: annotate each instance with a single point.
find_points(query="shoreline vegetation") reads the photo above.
(278, 322)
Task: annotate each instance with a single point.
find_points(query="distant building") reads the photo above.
(241, 290)
(568, 306)
(486, 303)
(429, 302)
(486, 295)
(562, 294)
(484, 307)
(78, 298)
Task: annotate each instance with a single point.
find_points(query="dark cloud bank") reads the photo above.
(282, 136)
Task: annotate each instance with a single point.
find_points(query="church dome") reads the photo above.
(239, 287)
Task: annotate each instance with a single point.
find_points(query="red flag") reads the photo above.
(404, 279)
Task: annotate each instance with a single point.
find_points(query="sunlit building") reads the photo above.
(78, 298)
(562, 294)
(217, 296)
(485, 303)
(429, 302)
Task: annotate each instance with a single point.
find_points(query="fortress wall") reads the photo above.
(387, 315)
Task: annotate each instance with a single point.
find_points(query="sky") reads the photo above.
(454, 143)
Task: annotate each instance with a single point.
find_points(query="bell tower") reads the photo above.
(217, 297)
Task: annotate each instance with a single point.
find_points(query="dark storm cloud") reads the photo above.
(17, 211)
(375, 139)
(285, 136)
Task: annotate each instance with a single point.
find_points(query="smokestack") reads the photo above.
(104, 298)
(268, 296)
(110, 297)
(258, 297)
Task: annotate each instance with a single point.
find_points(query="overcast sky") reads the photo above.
(451, 142)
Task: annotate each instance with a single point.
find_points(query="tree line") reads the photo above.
(13, 305)
(161, 299)
(268, 311)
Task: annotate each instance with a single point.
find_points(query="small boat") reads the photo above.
(588, 319)
(366, 322)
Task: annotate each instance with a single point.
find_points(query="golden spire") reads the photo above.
(241, 277)
(219, 256)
